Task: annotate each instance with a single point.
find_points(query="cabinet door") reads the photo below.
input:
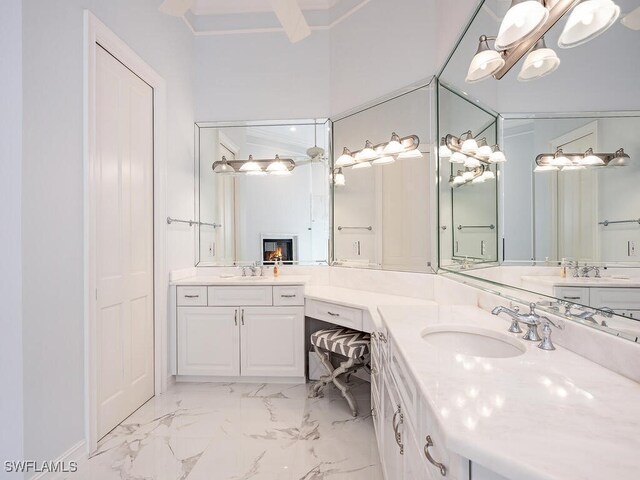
(272, 341)
(208, 341)
(414, 465)
(391, 423)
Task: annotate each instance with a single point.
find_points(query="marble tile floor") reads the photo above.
(220, 431)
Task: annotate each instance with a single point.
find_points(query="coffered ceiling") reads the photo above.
(296, 18)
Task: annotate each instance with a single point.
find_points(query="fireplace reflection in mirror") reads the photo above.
(278, 249)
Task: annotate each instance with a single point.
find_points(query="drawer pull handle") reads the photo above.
(242, 317)
(192, 296)
(571, 298)
(333, 314)
(400, 416)
(288, 296)
(443, 469)
(382, 337)
(235, 318)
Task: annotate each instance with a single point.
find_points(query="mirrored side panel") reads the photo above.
(384, 184)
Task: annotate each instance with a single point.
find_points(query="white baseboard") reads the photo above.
(218, 379)
(77, 454)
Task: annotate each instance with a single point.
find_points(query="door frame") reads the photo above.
(95, 32)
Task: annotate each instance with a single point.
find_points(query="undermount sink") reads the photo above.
(247, 278)
(477, 342)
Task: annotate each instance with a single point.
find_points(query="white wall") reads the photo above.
(52, 215)
(261, 76)
(11, 418)
(381, 48)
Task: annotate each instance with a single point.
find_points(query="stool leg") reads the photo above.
(346, 367)
(324, 379)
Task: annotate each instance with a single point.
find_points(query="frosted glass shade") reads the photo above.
(384, 160)
(469, 146)
(545, 168)
(362, 165)
(539, 62)
(415, 153)
(497, 156)
(522, 20)
(250, 166)
(345, 158)
(339, 179)
(484, 64)
(367, 153)
(471, 162)
(588, 20)
(458, 157)
(394, 146)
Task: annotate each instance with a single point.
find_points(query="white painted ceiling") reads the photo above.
(227, 7)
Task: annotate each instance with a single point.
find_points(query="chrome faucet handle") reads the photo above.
(546, 343)
(597, 270)
(532, 321)
(244, 270)
(515, 325)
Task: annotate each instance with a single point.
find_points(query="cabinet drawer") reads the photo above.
(616, 298)
(329, 312)
(288, 295)
(191, 296)
(573, 294)
(238, 296)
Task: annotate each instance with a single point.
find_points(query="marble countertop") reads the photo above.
(238, 280)
(542, 415)
(569, 281)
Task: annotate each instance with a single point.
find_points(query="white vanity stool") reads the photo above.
(354, 345)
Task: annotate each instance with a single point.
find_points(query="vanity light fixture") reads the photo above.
(367, 153)
(277, 167)
(405, 147)
(588, 19)
(527, 21)
(619, 159)
(251, 166)
(458, 157)
(443, 150)
(223, 166)
(469, 144)
(362, 164)
(485, 62)
(484, 150)
(338, 178)
(394, 146)
(497, 156)
(488, 174)
(580, 161)
(471, 162)
(522, 20)
(457, 181)
(590, 160)
(345, 159)
(540, 61)
(559, 159)
(455, 144)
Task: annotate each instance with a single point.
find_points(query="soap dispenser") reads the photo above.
(563, 268)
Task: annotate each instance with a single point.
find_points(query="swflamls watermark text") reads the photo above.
(33, 466)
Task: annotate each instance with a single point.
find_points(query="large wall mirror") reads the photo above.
(568, 208)
(384, 184)
(262, 192)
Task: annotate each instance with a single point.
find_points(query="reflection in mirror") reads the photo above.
(468, 187)
(263, 192)
(568, 209)
(383, 179)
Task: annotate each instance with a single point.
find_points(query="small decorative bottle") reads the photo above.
(276, 270)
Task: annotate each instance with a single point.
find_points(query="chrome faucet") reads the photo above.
(589, 314)
(532, 320)
(254, 269)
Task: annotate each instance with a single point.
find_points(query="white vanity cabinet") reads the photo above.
(208, 341)
(236, 331)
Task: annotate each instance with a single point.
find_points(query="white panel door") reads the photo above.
(124, 241)
(208, 341)
(272, 341)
